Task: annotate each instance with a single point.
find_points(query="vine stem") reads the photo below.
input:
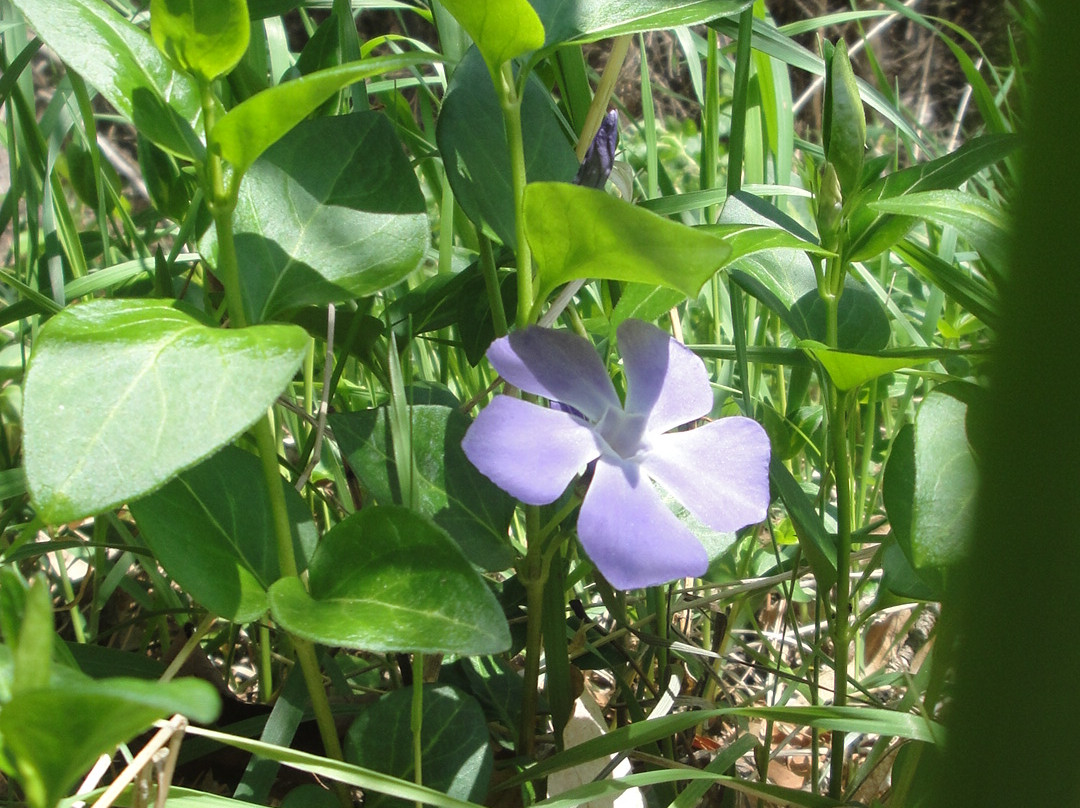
(510, 102)
(223, 196)
(840, 623)
(533, 572)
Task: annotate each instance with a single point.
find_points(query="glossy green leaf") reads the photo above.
(930, 483)
(454, 741)
(578, 232)
(466, 504)
(55, 733)
(850, 370)
(983, 225)
(388, 579)
(472, 139)
(123, 394)
(501, 29)
(871, 232)
(203, 37)
(251, 127)
(211, 529)
(577, 21)
(946, 482)
(317, 231)
(843, 125)
(114, 56)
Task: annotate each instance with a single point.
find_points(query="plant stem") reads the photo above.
(416, 721)
(533, 574)
(222, 203)
(510, 102)
(838, 432)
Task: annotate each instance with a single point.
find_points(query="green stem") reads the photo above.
(510, 102)
(533, 576)
(222, 203)
(838, 439)
(416, 721)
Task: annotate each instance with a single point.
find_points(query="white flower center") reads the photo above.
(624, 434)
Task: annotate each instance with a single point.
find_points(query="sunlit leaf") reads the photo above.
(249, 128)
(123, 394)
(501, 29)
(388, 579)
(203, 37)
(578, 232)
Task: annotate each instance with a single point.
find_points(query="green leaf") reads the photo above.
(983, 225)
(871, 233)
(54, 734)
(454, 739)
(84, 32)
(32, 654)
(930, 483)
(250, 128)
(203, 37)
(458, 498)
(946, 481)
(850, 370)
(312, 232)
(578, 232)
(123, 394)
(472, 139)
(211, 529)
(501, 29)
(388, 579)
(578, 21)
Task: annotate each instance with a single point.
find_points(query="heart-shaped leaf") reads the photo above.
(578, 232)
(249, 128)
(55, 733)
(388, 579)
(203, 37)
(454, 740)
(462, 501)
(211, 529)
(123, 394)
(501, 29)
(472, 140)
(312, 232)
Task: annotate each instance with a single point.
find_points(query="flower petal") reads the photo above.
(719, 472)
(530, 452)
(630, 536)
(558, 365)
(665, 380)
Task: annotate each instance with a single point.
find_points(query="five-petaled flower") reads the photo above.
(719, 472)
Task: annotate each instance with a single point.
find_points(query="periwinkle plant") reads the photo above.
(719, 471)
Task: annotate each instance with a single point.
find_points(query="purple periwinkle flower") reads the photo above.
(719, 472)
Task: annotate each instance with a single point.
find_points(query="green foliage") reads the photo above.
(232, 406)
(205, 38)
(117, 444)
(388, 579)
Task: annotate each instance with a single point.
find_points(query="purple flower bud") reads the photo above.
(596, 167)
